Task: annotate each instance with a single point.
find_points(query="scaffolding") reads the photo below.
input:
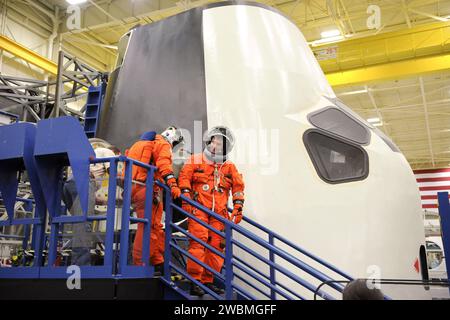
(35, 99)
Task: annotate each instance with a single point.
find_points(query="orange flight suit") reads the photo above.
(210, 184)
(158, 153)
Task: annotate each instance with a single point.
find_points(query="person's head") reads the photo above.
(173, 135)
(148, 136)
(358, 290)
(216, 145)
(115, 150)
(219, 142)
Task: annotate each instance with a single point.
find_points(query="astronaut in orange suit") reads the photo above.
(209, 178)
(155, 150)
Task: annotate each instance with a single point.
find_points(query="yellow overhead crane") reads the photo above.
(30, 56)
(27, 55)
(392, 55)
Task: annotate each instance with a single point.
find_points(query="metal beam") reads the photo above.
(412, 98)
(127, 21)
(405, 13)
(49, 13)
(429, 15)
(86, 56)
(400, 108)
(346, 15)
(425, 108)
(377, 110)
(388, 71)
(20, 21)
(25, 15)
(27, 55)
(93, 43)
(121, 21)
(397, 87)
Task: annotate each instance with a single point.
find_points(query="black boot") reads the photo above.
(196, 290)
(214, 288)
(159, 270)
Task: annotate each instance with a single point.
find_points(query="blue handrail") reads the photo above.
(268, 278)
(296, 247)
(231, 261)
(283, 270)
(248, 276)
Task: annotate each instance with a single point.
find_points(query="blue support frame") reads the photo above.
(272, 270)
(45, 150)
(228, 262)
(16, 154)
(61, 142)
(126, 270)
(444, 212)
(110, 214)
(168, 234)
(89, 272)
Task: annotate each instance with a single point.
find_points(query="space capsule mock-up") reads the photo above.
(315, 172)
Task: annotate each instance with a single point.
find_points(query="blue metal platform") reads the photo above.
(45, 150)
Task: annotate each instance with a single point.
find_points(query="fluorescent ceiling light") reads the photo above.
(330, 33)
(72, 2)
(327, 40)
(352, 92)
(372, 120)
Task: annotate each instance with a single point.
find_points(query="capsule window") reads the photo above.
(336, 160)
(338, 122)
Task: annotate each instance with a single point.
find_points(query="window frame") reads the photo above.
(342, 106)
(350, 116)
(340, 139)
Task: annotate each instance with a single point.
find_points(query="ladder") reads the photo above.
(93, 108)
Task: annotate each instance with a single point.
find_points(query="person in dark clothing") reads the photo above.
(82, 240)
(358, 290)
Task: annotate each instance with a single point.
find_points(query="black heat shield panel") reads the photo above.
(161, 81)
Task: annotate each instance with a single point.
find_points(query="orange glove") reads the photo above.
(236, 215)
(174, 190)
(186, 206)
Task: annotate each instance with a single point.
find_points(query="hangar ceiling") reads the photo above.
(398, 72)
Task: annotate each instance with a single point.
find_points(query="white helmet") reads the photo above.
(173, 135)
(99, 169)
(228, 142)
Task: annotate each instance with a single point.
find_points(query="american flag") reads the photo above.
(430, 183)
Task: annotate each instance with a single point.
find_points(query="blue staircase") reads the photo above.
(93, 109)
(281, 271)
